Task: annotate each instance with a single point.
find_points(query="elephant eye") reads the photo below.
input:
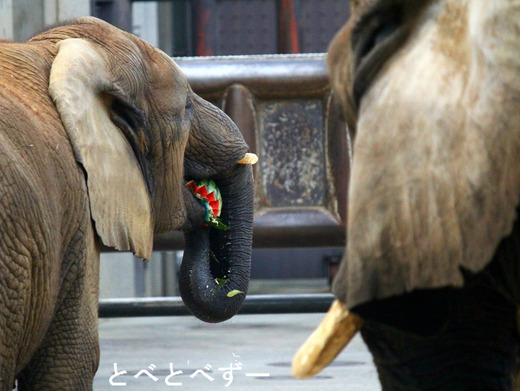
(189, 104)
(378, 34)
(127, 114)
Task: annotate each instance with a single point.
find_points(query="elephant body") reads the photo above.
(98, 133)
(48, 291)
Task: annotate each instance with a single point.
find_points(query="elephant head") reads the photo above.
(431, 91)
(140, 133)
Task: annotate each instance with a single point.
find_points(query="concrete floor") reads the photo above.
(258, 349)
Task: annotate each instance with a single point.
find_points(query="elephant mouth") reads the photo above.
(206, 207)
(204, 203)
(208, 194)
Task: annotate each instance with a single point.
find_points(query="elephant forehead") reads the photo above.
(163, 67)
(434, 182)
(168, 82)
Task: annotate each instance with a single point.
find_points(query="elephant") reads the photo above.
(430, 92)
(100, 132)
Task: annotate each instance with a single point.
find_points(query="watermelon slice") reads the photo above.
(209, 196)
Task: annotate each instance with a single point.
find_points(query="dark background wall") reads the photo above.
(237, 27)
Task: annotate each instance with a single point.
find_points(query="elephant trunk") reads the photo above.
(216, 267)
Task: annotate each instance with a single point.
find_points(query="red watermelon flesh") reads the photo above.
(207, 192)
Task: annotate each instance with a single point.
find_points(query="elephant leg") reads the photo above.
(11, 318)
(69, 355)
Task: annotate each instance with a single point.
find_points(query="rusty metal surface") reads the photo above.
(292, 138)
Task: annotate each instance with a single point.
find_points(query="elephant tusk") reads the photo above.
(249, 158)
(327, 341)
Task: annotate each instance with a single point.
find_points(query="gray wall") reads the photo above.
(21, 19)
(123, 275)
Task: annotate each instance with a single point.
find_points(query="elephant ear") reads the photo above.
(120, 205)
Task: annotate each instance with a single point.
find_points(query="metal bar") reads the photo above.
(285, 76)
(254, 304)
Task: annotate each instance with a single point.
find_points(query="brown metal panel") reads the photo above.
(292, 140)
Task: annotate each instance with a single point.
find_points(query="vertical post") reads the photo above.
(239, 106)
(145, 21)
(25, 17)
(288, 41)
(205, 34)
(50, 12)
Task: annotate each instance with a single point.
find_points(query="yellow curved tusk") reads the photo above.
(249, 158)
(335, 331)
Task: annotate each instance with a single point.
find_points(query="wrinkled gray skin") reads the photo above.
(99, 133)
(431, 92)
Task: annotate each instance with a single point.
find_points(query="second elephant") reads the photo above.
(431, 275)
